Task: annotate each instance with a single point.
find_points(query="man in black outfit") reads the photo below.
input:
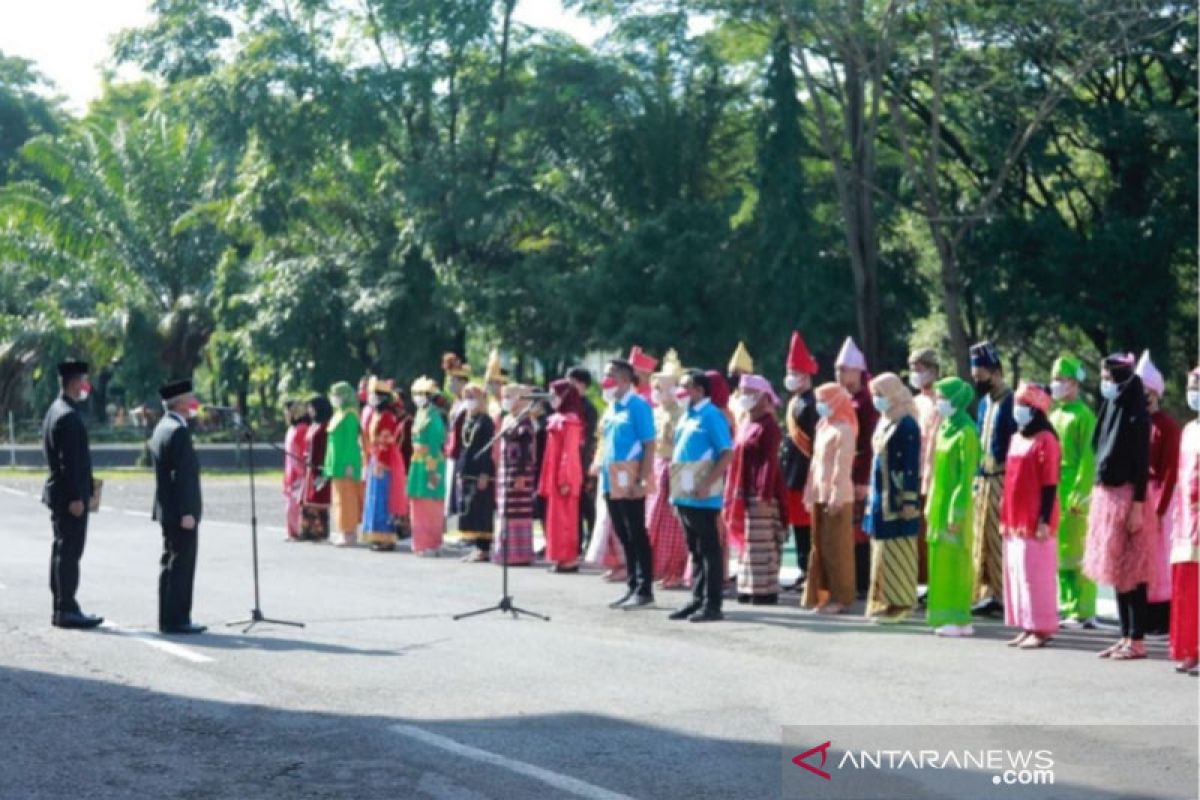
(177, 507)
(68, 492)
(582, 378)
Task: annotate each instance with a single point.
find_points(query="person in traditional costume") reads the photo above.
(700, 460)
(494, 380)
(476, 471)
(1075, 424)
(1029, 518)
(458, 374)
(295, 446)
(1185, 543)
(1122, 538)
(387, 490)
(740, 363)
(800, 418)
(643, 369)
(924, 370)
(851, 370)
(667, 539)
(996, 424)
(830, 499)
(893, 515)
(343, 465)
(561, 479)
(426, 496)
(604, 548)
(949, 513)
(1165, 436)
(627, 469)
(515, 475)
(314, 510)
(581, 379)
(756, 492)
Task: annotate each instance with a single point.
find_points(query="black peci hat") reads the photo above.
(71, 368)
(173, 389)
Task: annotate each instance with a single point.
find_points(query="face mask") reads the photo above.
(335, 401)
(918, 380)
(1058, 390)
(471, 405)
(945, 409)
(881, 403)
(657, 396)
(556, 402)
(193, 409)
(507, 405)
(1023, 415)
(823, 409)
(1194, 399)
(421, 400)
(983, 386)
(792, 383)
(747, 402)
(85, 391)
(378, 402)
(610, 395)
(1108, 390)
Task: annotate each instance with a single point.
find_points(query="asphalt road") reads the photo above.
(383, 695)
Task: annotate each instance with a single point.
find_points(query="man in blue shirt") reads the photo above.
(703, 449)
(626, 469)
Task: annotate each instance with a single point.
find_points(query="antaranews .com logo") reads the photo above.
(1008, 767)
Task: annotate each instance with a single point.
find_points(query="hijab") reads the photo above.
(959, 393)
(570, 400)
(1035, 396)
(718, 389)
(900, 405)
(322, 410)
(839, 401)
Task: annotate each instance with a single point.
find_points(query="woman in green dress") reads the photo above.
(949, 514)
(426, 493)
(343, 464)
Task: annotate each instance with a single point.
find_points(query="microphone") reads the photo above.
(222, 409)
(537, 396)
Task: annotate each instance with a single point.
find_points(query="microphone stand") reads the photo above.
(256, 614)
(506, 602)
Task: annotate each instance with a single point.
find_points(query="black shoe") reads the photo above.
(76, 620)
(987, 607)
(685, 612)
(620, 601)
(185, 629)
(706, 616)
(744, 599)
(639, 601)
(764, 599)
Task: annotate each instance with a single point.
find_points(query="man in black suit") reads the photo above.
(68, 492)
(177, 507)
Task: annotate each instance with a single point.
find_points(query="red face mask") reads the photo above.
(192, 409)
(85, 390)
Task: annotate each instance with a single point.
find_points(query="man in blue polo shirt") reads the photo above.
(626, 469)
(703, 448)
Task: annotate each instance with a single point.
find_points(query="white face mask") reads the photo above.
(335, 401)
(918, 379)
(823, 409)
(945, 408)
(747, 402)
(610, 395)
(792, 383)
(881, 403)
(1058, 389)
(657, 396)
(421, 400)
(1194, 399)
(1023, 415)
(556, 402)
(507, 405)
(1109, 390)
(471, 405)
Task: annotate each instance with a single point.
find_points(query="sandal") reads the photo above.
(831, 609)
(1128, 654)
(1109, 651)
(1019, 639)
(1033, 642)
(1186, 666)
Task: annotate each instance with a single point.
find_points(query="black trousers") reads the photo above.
(70, 535)
(587, 514)
(176, 577)
(803, 535)
(629, 522)
(704, 543)
(1132, 608)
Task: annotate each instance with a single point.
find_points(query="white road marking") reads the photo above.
(158, 643)
(17, 492)
(563, 783)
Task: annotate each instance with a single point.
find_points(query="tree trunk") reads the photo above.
(952, 293)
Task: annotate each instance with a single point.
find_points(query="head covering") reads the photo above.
(718, 389)
(757, 383)
(1033, 395)
(346, 393)
(839, 401)
(513, 391)
(957, 391)
(641, 361)
(473, 390)
(850, 356)
(381, 386)
(493, 373)
(1152, 379)
(671, 368)
(798, 357)
(70, 368)
(926, 357)
(1120, 366)
(173, 389)
(900, 399)
(322, 411)
(1068, 366)
(424, 385)
(366, 385)
(984, 354)
(572, 402)
(741, 360)
(454, 366)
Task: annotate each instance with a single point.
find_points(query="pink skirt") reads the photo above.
(1031, 584)
(428, 520)
(667, 538)
(1112, 555)
(1160, 584)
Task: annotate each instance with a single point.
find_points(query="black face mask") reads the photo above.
(379, 401)
(983, 386)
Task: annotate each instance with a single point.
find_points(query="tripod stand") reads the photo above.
(506, 602)
(256, 615)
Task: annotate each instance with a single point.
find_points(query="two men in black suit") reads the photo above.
(68, 492)
(177, 507)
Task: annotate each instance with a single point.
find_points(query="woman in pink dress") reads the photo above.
(295, 448)
(1029, 521)
(1185, 543)
(561, 481)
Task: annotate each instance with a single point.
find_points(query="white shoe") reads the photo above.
(967, 630)
(1070, 624)
(955, 631)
